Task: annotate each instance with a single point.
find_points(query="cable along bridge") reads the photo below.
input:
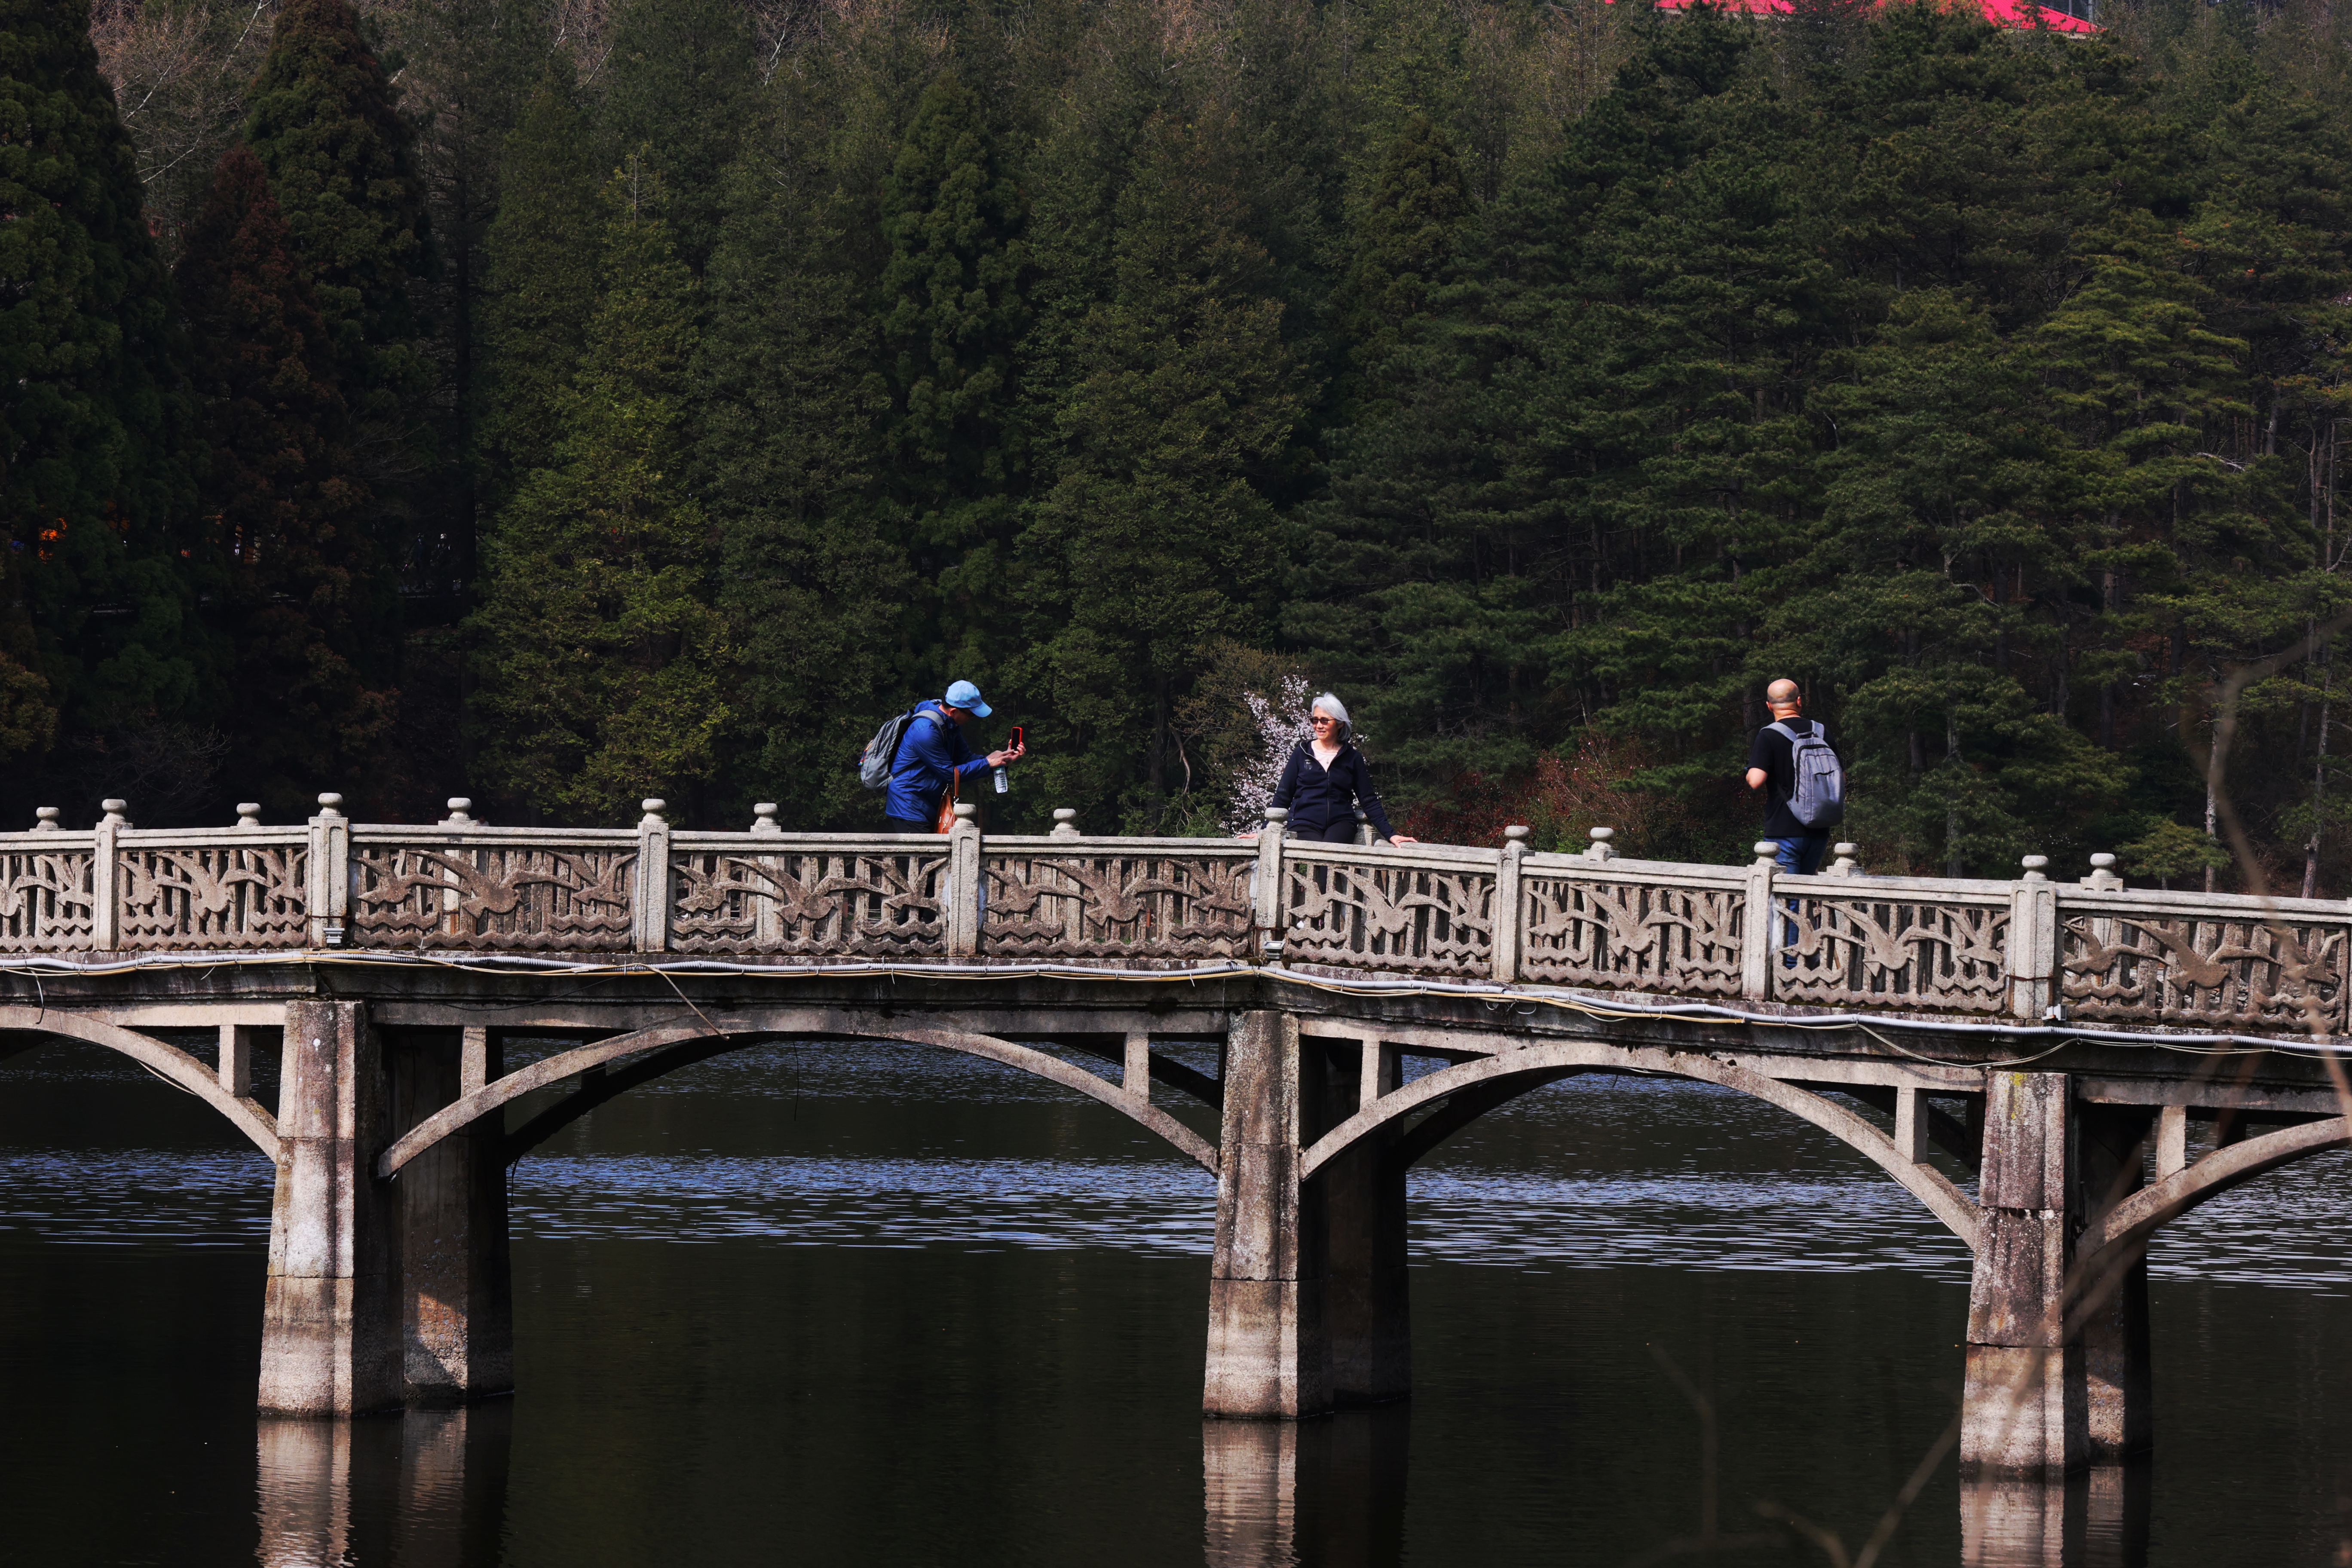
(2029, 1058)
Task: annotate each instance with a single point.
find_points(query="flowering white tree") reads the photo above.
(1281, 721)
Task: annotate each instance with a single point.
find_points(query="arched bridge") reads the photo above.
(2028, 1057)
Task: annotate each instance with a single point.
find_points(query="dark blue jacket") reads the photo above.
(1316, 799)
(929, 753)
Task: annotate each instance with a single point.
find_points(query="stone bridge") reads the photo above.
(2027, 1058)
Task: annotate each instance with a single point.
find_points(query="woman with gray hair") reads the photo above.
(1326, 781)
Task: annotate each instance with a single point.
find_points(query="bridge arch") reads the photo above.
(1470, 1088)
(2115, 1239)
(623, 1061)
(166, 1061)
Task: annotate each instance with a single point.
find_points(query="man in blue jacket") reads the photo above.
(931, 754)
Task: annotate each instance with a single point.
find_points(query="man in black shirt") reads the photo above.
(1771, 767)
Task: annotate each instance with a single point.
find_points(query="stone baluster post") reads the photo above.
(331, 1337)
(1265, 888)
(107, 879)
(1066, 823)
(330, 873)
(1510, 913)
(649, 893)
(2032, 941)
(967, 898)
(1601, 849)
(1759, 931)
(767, 912)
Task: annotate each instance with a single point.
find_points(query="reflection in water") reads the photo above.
(2097, 1520)
(1283, 1493)
(426, 1490)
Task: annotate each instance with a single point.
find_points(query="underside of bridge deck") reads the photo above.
(397, 1117)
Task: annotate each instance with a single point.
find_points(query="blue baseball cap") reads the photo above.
(963, 694)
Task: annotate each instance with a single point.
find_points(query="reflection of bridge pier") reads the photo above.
(1917, 1020)
(428, 1488)
(2092, 1518)
(1282, 1492)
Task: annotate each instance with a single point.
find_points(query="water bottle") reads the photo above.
(1001, 783)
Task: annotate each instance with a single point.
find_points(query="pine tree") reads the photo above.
(294, 597)
(326, 126)
(953, 316)
(1155, 537)
(93, 471)
(542, 274)
(1405, 246)
(681, 88)
(600, 651)
(818, 590)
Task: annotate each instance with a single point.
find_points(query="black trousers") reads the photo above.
(1340, 832)
(908, 825)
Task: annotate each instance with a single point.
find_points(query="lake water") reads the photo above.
(856, 1304)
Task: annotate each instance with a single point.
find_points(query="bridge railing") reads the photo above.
(2096, 950)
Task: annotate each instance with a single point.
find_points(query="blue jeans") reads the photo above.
(1803, 857)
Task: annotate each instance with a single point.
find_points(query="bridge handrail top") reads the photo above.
(434, 835)
(1114, 843)
(1924, 890)
(712, 839)
(2077, 901)
(1429, 857)
(1623, 869)
(155, 837)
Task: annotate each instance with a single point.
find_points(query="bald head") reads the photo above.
(1784, 694)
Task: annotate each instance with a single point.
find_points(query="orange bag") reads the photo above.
(948, 802)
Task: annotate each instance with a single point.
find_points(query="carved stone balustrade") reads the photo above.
(2091, 951)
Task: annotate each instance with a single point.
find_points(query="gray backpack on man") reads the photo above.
(1817, 798)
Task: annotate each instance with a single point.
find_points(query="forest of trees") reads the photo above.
(558, 401)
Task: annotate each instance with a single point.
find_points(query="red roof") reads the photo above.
(1999, 13)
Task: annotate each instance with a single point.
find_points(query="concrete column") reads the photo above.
(2024, 1400)
(457, 1300)
(330, 1341)
(1366, 1300)
(1267, 1355)
(2112, 1309)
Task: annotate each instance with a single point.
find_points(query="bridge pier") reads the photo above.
(456, 1290)
(331, 1337)
(2058, 1374)
(1306, 1293)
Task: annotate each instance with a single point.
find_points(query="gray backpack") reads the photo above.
(881, 753)
(1817, 798)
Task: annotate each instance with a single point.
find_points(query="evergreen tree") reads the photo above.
(1154, 538)
(1405, 245)
(542, 274)
(951, 319)
(294, 596)
(325, 125)
(601, 653)
(681, 88)
(817, 590)
(92, 467)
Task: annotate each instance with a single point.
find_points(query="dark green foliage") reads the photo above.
(93, 470)
(679, 88)
(325, 125)
(288, 513)
(1545, 379)
(951, 320)
(1153, 538)
(814, 588)
(541, 287)
(601, 653)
